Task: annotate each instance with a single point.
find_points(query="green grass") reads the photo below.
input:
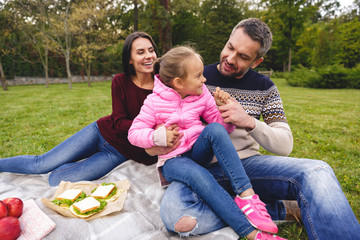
(34, 119)
(325, 125)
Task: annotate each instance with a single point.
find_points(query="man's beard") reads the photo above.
(234, 74)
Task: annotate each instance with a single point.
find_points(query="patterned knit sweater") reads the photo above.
(259, 97)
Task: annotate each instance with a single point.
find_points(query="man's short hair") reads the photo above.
(257, 31)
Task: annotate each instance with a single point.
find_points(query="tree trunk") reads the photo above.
(88, 71)
(165, 28)
(3, 80)
(68, 45)
(46, 67)
(284, 66)
(136, 18)
(289, 62)
(67, 59)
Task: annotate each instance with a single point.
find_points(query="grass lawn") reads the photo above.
(325, 125)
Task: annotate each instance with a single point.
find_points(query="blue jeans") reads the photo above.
(84, 156)
(191, 170)
(325, 211)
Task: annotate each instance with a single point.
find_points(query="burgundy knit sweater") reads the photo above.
(127, 99)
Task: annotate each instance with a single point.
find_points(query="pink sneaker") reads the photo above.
(267, 236)
(255, 211)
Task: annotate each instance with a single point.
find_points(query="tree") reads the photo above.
(6, 38)
(90, 20)
(286, 18)
(165, 26)
(58, 31)
(219, 17)
(349, 43)
(30, 21)
(186, 23)
(136, 16)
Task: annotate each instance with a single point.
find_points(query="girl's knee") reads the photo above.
(214, 126)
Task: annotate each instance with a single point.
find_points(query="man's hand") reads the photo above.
(221, 97)
(156, 150)
(234, 113)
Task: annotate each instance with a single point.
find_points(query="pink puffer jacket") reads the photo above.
(165, 105)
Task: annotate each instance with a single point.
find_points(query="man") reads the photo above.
(325, 211)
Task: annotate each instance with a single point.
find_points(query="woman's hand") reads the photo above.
(156, 150)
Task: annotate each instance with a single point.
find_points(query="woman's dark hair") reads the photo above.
(126, 52)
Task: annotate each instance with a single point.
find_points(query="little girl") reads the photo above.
(180, 97)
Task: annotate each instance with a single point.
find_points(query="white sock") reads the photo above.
(248, 197)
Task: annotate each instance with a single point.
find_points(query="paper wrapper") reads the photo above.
(87, 187)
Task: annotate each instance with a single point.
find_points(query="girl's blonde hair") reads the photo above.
(173, 64)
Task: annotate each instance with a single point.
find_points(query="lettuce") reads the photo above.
(68, 202)
(102, 206)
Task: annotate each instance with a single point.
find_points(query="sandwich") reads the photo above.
(69, 197)
(107, 191)
(87, 207)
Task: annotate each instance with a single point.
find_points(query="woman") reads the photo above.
(101, 146)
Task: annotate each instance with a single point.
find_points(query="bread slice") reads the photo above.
(86, 205)
(103, 191)
(70, 194)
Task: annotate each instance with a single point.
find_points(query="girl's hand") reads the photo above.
(171, 136)
(156, 150)
(221, 97)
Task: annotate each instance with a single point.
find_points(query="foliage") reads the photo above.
(349, 44)
(305, 32)
(219, 17)
(333, 76)
(87, 21)
(328, 43)
(303, 77)
(287, 18)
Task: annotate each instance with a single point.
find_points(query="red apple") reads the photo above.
(15, 206)
(3, 209)
(9, 228)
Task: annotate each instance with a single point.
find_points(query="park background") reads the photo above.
(316, 40)
(315, 61)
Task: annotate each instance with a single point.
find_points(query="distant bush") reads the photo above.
(279, 75)
(303, 77)
(353, 77)
(334, 76)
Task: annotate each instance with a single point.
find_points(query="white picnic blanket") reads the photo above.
(139, 220)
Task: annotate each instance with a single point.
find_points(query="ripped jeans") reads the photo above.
(190, 169)
(325, 211)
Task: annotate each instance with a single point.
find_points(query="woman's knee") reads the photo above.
(54, 179)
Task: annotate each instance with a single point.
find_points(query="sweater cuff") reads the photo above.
(256, 124)
(160, 137)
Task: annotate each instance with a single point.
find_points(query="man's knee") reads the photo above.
(185, 224)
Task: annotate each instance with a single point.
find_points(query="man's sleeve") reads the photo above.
(275, 137)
